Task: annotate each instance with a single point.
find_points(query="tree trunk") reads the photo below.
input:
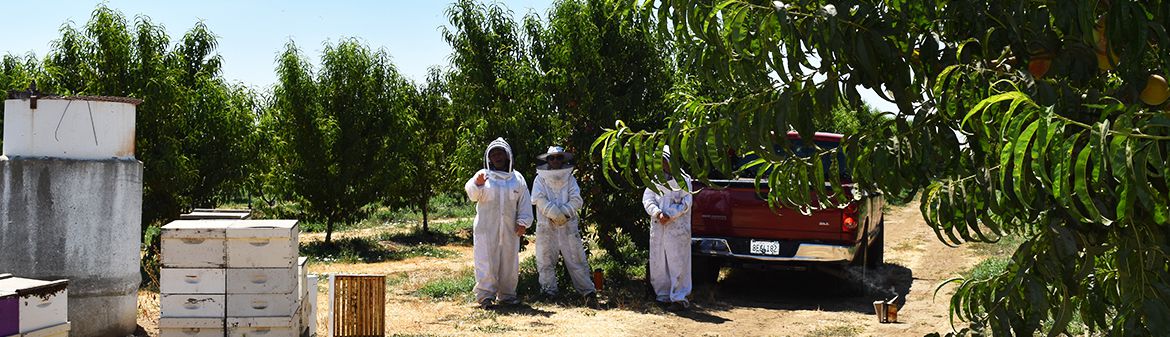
(328, 232)
(426, 213)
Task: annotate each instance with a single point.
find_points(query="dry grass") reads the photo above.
(742, 305)
(148, 312)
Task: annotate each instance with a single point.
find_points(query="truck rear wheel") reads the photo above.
(704, 269)
(875, 252)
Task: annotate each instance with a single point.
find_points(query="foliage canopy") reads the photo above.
(1014, 118)
(335, 130)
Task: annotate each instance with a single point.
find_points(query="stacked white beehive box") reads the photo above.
(232, 277)
(309, 307)
(33, 308)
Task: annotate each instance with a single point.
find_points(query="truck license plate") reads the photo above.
(765, 247)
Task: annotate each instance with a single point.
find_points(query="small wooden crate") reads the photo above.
(357, 305)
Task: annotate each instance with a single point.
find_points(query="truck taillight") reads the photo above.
(848, 224)
(849, 218)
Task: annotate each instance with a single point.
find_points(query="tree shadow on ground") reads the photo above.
(700, 314)
(520, 309)
(368, 250)
(438, 237)
(851, 289)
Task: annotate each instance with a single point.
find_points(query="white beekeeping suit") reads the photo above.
(502, 203)
(558, 200)
(670, 239)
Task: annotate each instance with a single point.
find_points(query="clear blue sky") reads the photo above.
(252, 33)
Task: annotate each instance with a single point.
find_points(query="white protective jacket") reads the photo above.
(558, 200)
(670, 242)
(500, 204)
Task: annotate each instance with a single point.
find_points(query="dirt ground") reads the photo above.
(743, 303)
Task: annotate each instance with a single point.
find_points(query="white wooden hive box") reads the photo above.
(195, 244)
(190, 327)
(192, 281)
(262, 244)
(40, 304)
(192, 305)
(264, 326)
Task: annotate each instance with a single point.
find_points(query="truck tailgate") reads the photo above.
(736, 210)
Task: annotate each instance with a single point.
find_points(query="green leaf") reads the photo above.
(1065, 179)
(1040, 151)
(944, 78)
(1081, 183)
(1064, 314)
(1016, 97)
(1020, 181)
(1124, 165)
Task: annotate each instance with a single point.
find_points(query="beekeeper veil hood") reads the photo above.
(666, 162)
(487, 161)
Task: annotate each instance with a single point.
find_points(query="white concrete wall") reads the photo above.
(79, 220)
(75, 129)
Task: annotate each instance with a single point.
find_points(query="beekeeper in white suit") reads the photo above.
(670, 238)
(503, 213)
(558, 200)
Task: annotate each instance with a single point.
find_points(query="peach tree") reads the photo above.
(1042, 119)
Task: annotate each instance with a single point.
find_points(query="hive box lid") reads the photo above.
(249, 229)
(26, 286)
(212, 229)
(214, 213)
(200, 224)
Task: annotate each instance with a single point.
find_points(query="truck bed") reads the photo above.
(730, 215)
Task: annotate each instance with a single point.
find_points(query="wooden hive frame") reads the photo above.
(357, 305)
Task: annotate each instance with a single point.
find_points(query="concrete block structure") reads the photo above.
(70, 209)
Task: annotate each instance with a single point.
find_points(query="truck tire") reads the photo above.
(875, 252)
(704, 269)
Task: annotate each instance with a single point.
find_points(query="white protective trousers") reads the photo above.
(500, 204)
(558, 200)
(670, 242)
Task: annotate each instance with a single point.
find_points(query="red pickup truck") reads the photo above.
(732, 225)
